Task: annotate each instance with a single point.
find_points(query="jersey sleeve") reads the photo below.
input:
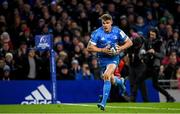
(123, 37)
(94, 38)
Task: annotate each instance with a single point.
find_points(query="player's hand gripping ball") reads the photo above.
(113, 50)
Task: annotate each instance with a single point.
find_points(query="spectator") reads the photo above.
(3, 24)
(85, 73)
(2, 65)
(5, 10)
(176, 14)
(5, 38)
(58, 29)
(26, 36)
(26, 9)
(59, 63)
(174, 43)
(170, 20)
(5, 49)
(137, 69)
(124, 25)
(83, 22)
(20, 54)
(67, 43)
(44, 65)
(11, 63)
(156, 9)
(22, 50)
(64, 56)
(111, 9)
(31, 21)
(7, 73)
(95, 68)
(96, 13)
(141, 27)
(86, 39)
(39, 28)
(59, 47)
(86, 56)
(75, 67)
(178, 76)
(150, 21)
(53, 7)
(57, 39)
(162, 28)
(153, 47)
(140, 7)
(30, 65)
(172, 66)
(169, 32)
(65, 74)
(131, 19)
(88, 6)
(77, 54)
(75, 41)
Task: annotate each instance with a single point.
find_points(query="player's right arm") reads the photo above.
(93, 48)
(92, 45)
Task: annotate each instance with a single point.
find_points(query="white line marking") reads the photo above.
(87, 113)
(129, 107)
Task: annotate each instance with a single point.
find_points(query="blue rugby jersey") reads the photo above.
(102, 39)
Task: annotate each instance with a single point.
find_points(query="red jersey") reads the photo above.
(119, 68)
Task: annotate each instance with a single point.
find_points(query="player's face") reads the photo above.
(107, 25)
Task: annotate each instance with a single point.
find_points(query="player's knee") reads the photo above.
(106, 76)
(112, 80)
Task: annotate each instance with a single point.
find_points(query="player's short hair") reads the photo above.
(105, 17)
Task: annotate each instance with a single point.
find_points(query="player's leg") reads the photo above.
(119, 82)
(107, 84)
(169, 98)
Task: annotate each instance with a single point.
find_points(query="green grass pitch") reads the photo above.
(127, 108)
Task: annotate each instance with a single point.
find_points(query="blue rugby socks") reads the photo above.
(106, 91)
(120, 82)
(117, 81)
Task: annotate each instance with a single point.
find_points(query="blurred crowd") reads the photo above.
(71, 23)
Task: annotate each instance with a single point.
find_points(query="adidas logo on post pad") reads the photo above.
(39, 96)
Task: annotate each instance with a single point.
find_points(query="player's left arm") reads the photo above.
(125, 40)
(128, 43)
